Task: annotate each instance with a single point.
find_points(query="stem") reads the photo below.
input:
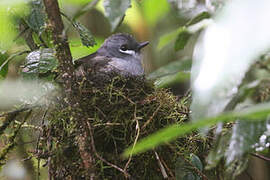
(66, 69)
(63, 53)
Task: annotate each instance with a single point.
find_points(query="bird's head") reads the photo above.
(122, 46)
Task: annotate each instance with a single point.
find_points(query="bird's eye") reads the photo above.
(124, 47)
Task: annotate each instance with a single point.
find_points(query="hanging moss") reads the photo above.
(114, 107)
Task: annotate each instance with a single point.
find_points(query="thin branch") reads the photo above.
(260, 157)
(11, 144)
(162, 169)
(10, 117)
(168, 169)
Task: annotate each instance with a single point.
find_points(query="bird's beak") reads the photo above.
(143, 44)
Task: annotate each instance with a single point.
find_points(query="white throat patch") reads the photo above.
(130, 52)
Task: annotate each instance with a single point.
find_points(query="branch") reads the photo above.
(261, 157)
(60, 42)
(66, 68)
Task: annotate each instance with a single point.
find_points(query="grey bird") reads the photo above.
(120, 53)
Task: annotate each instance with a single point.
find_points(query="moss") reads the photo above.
(114, 107)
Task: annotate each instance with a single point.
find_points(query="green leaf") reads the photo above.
(182, 39)
(218, 151)
(39, 62)
(85, 35)
(198, 18)
(171, 74)
(78, 50)
(195, 161)
(36, 18)
(3, 65)
(86, 8)
(115, 11)
(180, 36)
(173, 67)
(167, 39)
(8, 29)
(172, 79)
(255, 113)
(184, 169)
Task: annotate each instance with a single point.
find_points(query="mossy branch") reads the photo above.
(71, 88)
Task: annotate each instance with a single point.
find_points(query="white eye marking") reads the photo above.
(130, 52)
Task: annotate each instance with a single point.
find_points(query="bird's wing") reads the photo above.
(85, 59)
(91, 64)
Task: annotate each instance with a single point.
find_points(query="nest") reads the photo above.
(120, 111)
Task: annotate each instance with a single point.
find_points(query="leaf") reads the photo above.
(78, 50)
(171, 74)
(254, 113)
(8, 30)
(182, 34)
(173, 67)
(195, 161)
(36, 18)
(85, 35)
(86, 8)
(115, 11)
(245, 137)
(220, 64)
(166, 39)
(218, 151)
(182, 39)
(198, 18)
(184, 170)
(39, 62)
(3, 65)
(172, 79)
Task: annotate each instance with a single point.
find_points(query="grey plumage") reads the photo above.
(119, 53)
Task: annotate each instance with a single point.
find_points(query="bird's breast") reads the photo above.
(131, 67)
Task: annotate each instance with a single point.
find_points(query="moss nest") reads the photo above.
(119, 111)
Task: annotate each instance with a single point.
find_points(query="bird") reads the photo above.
(120, 53)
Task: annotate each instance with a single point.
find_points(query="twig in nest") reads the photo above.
(168, 169)
(99, 110)
(162, 169)
(151, 118)
(121, 94)
(136, 138)
(101, 158)
(107, 124)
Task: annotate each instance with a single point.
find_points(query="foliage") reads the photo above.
(229, 88)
